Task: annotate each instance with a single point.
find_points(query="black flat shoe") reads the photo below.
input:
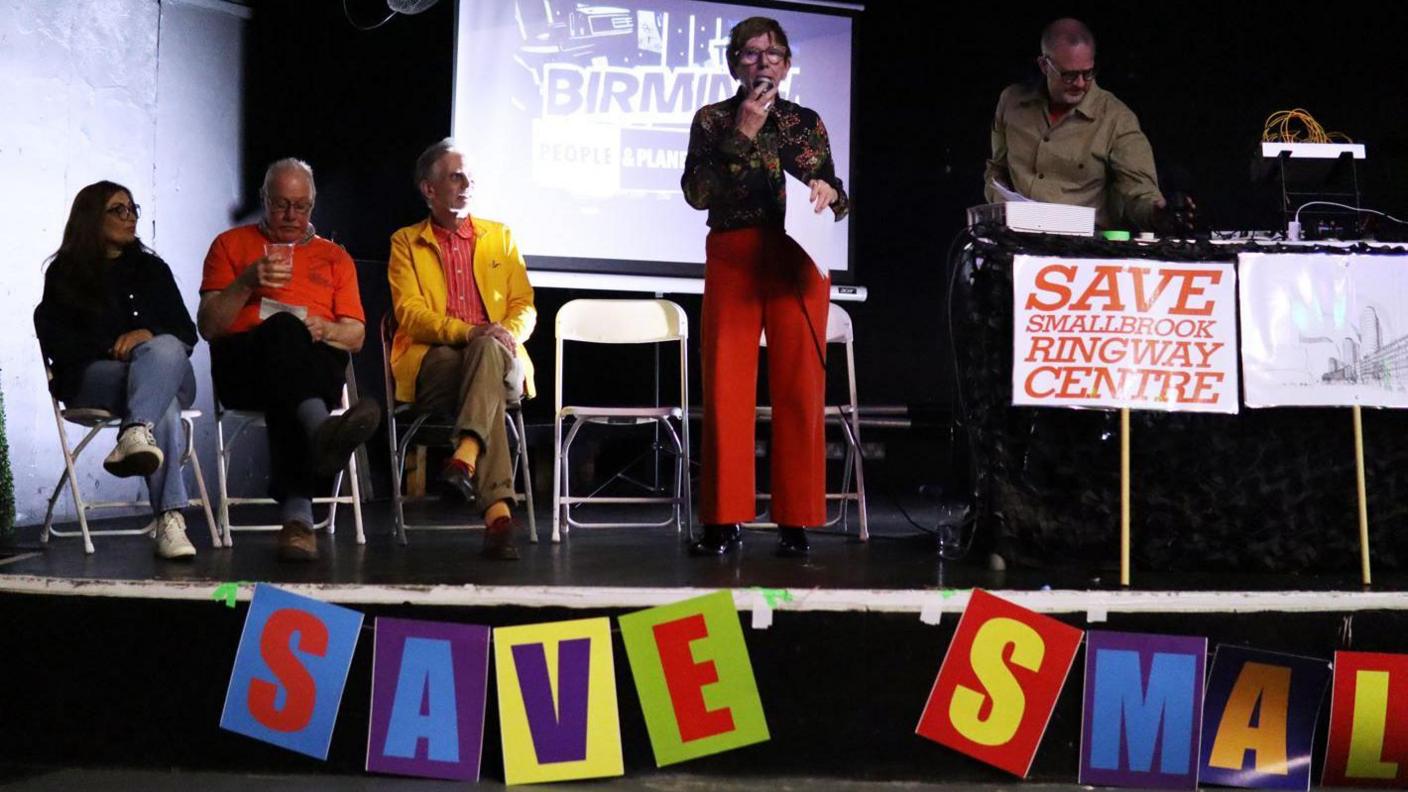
(458, 483)
(718, 540)
(792, 542)
(498, 540)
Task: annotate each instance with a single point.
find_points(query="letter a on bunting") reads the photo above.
(1259, 718)
(557, 701)
(290, 670)
(429, 681)
(999, 682)
(694, 679)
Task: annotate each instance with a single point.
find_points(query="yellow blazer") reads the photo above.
(418, 294)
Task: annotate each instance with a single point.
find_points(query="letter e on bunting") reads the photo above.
(694, 678)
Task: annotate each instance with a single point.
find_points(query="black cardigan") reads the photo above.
(141, 294)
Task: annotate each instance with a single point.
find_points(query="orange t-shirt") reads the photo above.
(324, 276)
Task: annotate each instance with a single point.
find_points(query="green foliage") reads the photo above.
(7, 479)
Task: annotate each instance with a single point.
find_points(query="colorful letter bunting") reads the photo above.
(1368, 742)
(289, 671)
(999, 682)
(429, 681)
(557, 701)
(1148, 719)
(694, 679)
(1259, 718)
(1143, 710)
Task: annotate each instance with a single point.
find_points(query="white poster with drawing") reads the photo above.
(1324, 330)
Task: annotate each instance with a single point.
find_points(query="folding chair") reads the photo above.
(838, 331)
(400, 440)
(242, 420)
(621, 322)
(95, 420)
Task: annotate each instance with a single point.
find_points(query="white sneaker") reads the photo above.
(135, 454)
(171, 541)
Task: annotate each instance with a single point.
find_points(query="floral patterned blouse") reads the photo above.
(740, 181)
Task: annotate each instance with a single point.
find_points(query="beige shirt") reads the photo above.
(1095, 156)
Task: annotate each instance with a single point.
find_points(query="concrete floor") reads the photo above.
(153, 781)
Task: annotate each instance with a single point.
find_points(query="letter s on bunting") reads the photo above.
(999, 683)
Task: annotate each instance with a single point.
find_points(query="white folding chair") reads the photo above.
(95, 420)
(621, 322)
(838, 331)
(400, 440)
(243, 420)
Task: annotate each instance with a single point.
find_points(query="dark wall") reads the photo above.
(358, 106)
(1201, 76)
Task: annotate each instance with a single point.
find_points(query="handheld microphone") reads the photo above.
(764, 82)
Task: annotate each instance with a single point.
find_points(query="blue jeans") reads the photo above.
(151, 388)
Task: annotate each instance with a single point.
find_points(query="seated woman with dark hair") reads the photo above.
(117, 336)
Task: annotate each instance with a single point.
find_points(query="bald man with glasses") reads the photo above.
(281, 310)
(1066, 140)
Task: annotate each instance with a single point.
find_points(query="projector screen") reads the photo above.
(575, 120)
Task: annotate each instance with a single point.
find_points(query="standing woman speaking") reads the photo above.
(757, 279)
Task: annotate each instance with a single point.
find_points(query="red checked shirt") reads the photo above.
(462, 298)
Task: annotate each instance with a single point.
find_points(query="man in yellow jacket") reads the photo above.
(463, 306)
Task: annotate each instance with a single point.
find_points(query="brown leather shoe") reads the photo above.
(297, 542)
(498, 540)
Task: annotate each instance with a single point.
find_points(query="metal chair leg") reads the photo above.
(526, 470)
(194, 459)
(398, 504)
(330, 523)
(400, 452)
(53, 498)
(222, 459)
(398, 474)
(864, 521)
(356, 487)
(78, 505)
(557, 466)
(567, 475)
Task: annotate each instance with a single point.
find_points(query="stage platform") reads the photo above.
(899, 559)
(120, 659)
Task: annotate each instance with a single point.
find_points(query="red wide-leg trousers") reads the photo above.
(760, 279)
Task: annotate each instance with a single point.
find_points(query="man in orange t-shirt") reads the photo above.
(280, 307)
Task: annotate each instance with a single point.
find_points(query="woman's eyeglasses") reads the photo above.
(124, 211)
(774, 55)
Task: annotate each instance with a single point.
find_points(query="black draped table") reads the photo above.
(1263, 490)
